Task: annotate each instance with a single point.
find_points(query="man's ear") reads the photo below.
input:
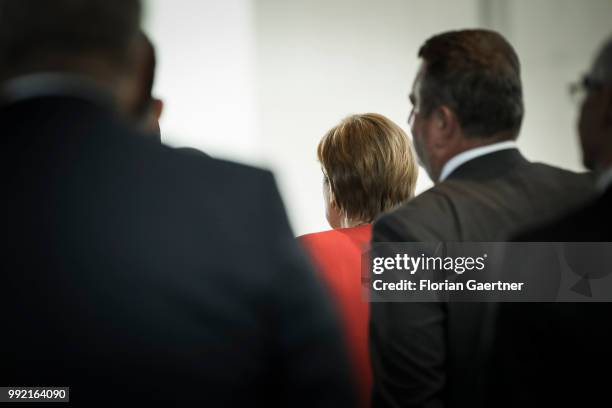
(158, 108)
(446, 124)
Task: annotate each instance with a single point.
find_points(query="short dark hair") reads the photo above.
(34, 29)
(476, 73)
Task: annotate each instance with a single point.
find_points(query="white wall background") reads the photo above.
(260, 81)
(206, 75)
(556, 41)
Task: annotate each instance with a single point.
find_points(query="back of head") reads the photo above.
(369, 165)
(476, 73)
(59, 35)
(602, 68)
(595, 123)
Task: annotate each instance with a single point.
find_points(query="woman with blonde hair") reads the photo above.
(368, 168)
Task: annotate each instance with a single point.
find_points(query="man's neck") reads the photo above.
(466, 155)
(54, 84)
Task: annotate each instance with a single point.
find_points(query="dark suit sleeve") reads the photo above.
(407, 340)
(313, 364)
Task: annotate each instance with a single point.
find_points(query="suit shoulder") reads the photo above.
(184, 163)
(419, 219)
(200, 172)
(242, 169)
(221, 167)
(227, 196)
(435, 200)
(575, 226)
(580, 180)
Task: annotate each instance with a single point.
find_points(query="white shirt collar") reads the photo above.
(471, 154)
(604, 180)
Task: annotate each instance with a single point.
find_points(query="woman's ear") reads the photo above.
(332, 211)
(329, 193)
(332, 199)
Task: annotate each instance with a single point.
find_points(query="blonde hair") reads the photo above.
(369, 164)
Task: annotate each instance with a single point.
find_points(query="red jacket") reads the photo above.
(337, 255)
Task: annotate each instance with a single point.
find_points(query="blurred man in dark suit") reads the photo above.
(131, 273)
(551, 353)
(467, 113)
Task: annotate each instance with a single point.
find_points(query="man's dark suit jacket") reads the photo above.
(556, 354)
(137, 275)
(432, 354)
